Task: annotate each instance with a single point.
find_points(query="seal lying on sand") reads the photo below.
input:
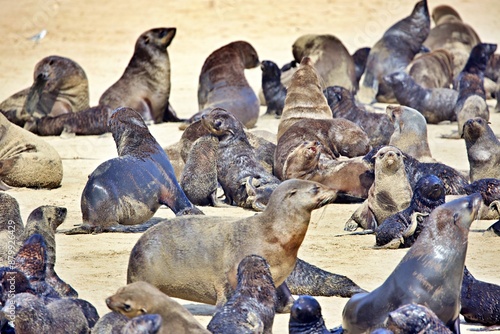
(415, 318)
(251, 307)
(166, 256)
(430, 273)
(26, 160)
(128, 190)
(306, 317)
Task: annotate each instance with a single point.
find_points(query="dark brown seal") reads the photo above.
(129, 189)
(415, 318)
(377, 126)
(393, 52)
(251, 307)
(360, 57)
(435, 104)
(432, 70)
(480, 301)
(12, 282)
(273, 89)
(141, 298)
(430, 273)
(60, 86)
(306, 317)
(166, 257)
(26, 160)
(110, 323)
(11, 228)
(222, 83)
(145, 84)
(330, 58)
(489, 188)
(483, 149)
(143, 324)
(390, 192)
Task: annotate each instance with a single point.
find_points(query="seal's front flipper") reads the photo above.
(285, 299)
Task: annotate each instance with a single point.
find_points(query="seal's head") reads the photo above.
(221, 123)
(128, 300)
(49, 215)
(270, 69)
(474, 128)
(305, 309)
(388, 159)
(157, 38)
(430, 187)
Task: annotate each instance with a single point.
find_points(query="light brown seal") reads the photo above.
(166, 257)
(26, 160)
(145, 84)
(430, 273)
(141, 298)
(432, 70)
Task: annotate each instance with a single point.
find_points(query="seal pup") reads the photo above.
(415, 318)
(480, 301)
(483, 149)
(430, 273)
(26, 160)
(141, 298)
(143, 324)
(402, 229)
(145, 84)
(306, 317)
(410, 132)
(274, 91)
(360, 57)
(432, 70)
(489, 188)
(377, 126)
(60, 86)
(110, 323)
(12, 282)
(393, 52)
(129, 189)
(330, 58)
(165, 256)
(251, 307)
(222, 83)
(390, 192)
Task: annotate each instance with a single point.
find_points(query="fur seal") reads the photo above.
(222, 83)
(60, 86)
(489, 188)
(330, 58)
(432, 70)
(251, 307)
(110, 323)
(141, 298)
(435, 104)
(360, 57)
(415, 318)
(26, 160)
(274, 91)
(377, 126)
(390, 192)
(143, 324)
(11, 227)
(393, 52)
(306, 317)
(304, 98)
(480, 301)
(145, 84)
(165, 257)
(12, 282)
(430, 273)
(128, 190)
(483, 149)
(401, 229)
(410, 132)
(477, 62)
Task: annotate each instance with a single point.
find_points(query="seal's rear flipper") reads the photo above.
(169, 115)
(134, 228)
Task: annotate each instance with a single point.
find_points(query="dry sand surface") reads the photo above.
(100, 36)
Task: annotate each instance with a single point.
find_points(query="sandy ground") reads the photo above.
(100, 36)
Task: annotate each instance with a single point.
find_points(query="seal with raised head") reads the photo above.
(330, 58)
(166, 257)
(393, 52)
(60, 86)
(432, 70)
(251, 308)
(430, 273)
(483, 149)
(306, 317)
(222, 83)
(145, 84)
(129, 189)
(26, 160)
(141, 298)
(415, 318)
(273, 89)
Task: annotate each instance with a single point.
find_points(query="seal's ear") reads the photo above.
(143, 311)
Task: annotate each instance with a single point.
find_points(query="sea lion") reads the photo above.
(390, 192)
(432, 70)
(429, 274)
(377, 126)
(251, 307)
(410, 132)
(304, 98)
(436, 104)
(141, 298)
(415, 318)
(143, 324)
(26, 160)
(129, 189)
(60, 86)
(222, 83)
(274, 91)
(330, 58)
(393, 52)
(402, 229)
(145, 84)
(360, 57)
(165, 256)
(306, 317)
(483, 149)
(480, 301)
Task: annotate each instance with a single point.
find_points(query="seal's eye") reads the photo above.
(127, 308)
